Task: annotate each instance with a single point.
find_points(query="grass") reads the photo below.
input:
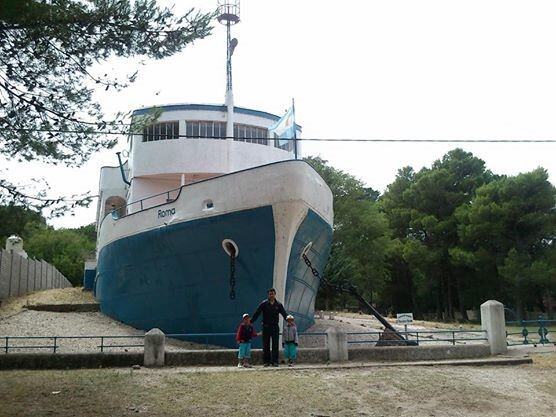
(405, 391)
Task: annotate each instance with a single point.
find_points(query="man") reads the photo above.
(271, 309)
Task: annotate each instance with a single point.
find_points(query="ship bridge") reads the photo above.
(188, 143)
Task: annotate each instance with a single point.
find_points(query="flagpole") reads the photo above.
(294, 130)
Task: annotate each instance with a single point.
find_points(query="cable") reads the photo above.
(96, 132)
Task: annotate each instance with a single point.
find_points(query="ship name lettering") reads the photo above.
(167, 212)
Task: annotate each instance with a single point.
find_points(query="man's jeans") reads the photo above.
(270, 332)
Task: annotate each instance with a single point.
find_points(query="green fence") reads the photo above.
(531, 332)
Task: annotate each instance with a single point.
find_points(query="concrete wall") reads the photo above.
(20, 275)
(418, 353)
(228, 357)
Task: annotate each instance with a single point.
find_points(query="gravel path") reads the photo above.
(44, 323)
(47, 324)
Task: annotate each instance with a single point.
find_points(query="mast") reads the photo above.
(228, 15)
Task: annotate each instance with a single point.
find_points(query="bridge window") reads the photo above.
(205, 129)
(251, 134)
(161, 131)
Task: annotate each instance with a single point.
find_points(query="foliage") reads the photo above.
(46, 82)
(509, 231)
(66, 249)
(14, 219)
(421, 209)
(361, 234)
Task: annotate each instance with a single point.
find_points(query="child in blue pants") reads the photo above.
(290, 340)
(245, 333)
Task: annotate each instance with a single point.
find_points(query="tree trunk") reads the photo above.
(461, 302)
(450, 304)
(414, 306)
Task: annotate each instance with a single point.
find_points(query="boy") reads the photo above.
(290, 340)
(245, 333)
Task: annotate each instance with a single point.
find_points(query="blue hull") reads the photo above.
(176, 277)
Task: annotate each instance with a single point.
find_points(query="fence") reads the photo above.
(206, 340)
(20, 275)
(443, 337)
(531, 332)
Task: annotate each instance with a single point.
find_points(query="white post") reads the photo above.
(230, 115)
(493, 321)
(337, 345)
(155, 342)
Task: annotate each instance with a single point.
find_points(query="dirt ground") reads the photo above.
(527, 390)
(71, 295)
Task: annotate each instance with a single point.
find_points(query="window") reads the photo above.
(251, 134)
(205, 129)
(161, 131)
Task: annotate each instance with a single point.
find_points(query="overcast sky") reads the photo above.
(364, 69)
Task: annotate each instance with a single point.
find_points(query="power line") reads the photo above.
(344, 140)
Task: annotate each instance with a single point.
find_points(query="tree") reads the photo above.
(66, 249)
(420, 208)
(46, 83)
(361, 234)
(14, 220)
(508, 237)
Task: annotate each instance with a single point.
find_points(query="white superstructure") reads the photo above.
(186, 144)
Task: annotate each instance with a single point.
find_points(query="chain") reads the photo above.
(352, 290)
(233, 276)
(312, 268)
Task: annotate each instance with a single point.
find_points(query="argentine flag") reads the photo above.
(285, 127)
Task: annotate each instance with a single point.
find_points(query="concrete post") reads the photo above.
(155, 342)
(493, 321)
(337, 345)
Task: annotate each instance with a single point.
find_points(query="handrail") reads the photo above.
(198, 182)
(55, 339)
(140, 201)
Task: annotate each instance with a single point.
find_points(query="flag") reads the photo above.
(284, 128)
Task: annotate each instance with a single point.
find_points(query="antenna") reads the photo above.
(228, 15)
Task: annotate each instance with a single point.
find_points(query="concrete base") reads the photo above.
(419, 353)
(69, 360)
(228, 357)
(65, 308)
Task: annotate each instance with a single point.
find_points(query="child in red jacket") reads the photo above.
(245, 332)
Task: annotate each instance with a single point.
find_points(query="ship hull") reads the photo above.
(176, 277)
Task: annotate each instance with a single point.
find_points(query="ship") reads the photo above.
(211, 209)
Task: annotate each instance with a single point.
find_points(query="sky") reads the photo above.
(357, 69)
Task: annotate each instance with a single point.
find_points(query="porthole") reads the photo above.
(306, 249)
(230, 247)
(208, 205)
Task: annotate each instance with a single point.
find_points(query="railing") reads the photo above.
(123, 211)
(421, 336)
(541, 326)
(206, 337)
(55, 342)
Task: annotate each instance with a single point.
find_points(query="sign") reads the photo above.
(404, 318)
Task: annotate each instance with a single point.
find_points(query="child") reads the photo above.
(245, 333)
(290, 340)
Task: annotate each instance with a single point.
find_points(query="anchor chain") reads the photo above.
(232, 275)
(352, 290)
(312, 268)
